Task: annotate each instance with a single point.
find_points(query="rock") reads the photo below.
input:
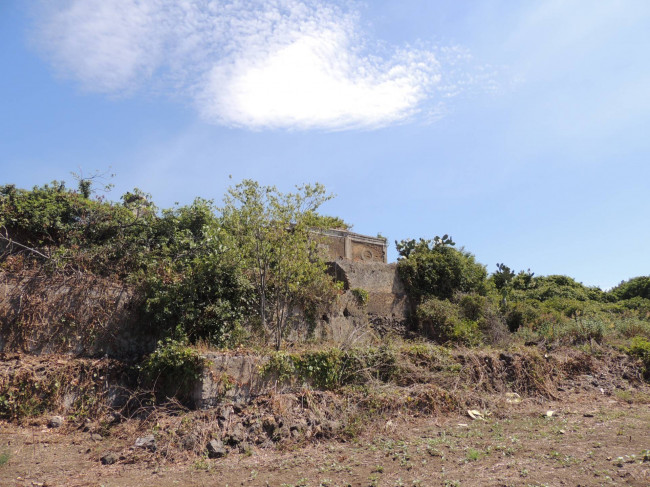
(148, 442)
(109, 458)
(236, 435)
(245, 447)
(188, 442)
(216, 449)
(55, 422)
(269, 424)
(513, 398)
(96, 437)
(225, 412)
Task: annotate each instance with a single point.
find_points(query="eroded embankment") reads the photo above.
(300, 397)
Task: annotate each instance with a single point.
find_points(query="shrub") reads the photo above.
(640, 348)
(544, 288)
(582, 331)
(172, 369)
(484, 312)
(441, 320)
(631, 327)
(521, 314)
(206, 301)
(472, 306)
(333, 368)
(89, 234)
(632, 288)
(434, 268)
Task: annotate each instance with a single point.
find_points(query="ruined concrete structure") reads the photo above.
(342, 244)
(90, 316)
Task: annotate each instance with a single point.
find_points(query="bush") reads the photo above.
(433, 268)
(171, 370)
(630, 327)
(441, 320)
(522, 314)
(484, 312)
(640, 348)
(632, 288)
(333, 368)
(544, 288)
(472, 306)
(89, 234)
(582, 331)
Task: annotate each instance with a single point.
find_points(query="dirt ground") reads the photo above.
(589, 439)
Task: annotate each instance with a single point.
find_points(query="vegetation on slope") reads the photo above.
(204, 273)
(222, 275)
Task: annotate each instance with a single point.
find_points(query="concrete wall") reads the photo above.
(387, 309)
(76, 314)
(230, 378)
(341, 244)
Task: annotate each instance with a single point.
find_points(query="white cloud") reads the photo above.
(108, 46)
(250, 63)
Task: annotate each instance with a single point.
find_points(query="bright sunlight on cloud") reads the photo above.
(295, 64)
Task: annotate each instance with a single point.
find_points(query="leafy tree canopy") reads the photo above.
(434, 268)
(633, 288)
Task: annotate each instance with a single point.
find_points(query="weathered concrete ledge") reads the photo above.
(231, 379)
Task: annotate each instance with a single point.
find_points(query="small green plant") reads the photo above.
(332, 368)
(4, 458)
(473, 455)
(361, 295)
(201, 464)
(442, 320)
(25, 395)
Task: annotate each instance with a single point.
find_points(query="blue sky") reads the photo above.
(519, 128)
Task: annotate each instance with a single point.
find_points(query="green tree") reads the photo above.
(272, 234)
(435, 268)
(632, 288)
(502, 276)
(193, 285)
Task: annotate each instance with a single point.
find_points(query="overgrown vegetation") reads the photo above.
(203, 273)
(251, 269)
(78, 386)
(455, 301)
(172, 369)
